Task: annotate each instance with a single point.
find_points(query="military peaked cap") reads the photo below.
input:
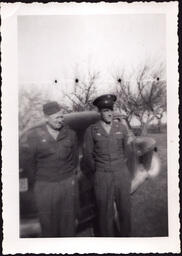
(105, 101)
(51, 108)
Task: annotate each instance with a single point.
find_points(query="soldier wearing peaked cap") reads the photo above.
(105, 101)
(105, 146)
(51, 161)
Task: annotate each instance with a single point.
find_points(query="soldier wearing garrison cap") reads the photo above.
(105, 146)
(51, 162)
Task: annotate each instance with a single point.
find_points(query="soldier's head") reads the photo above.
(105, 104)
(54, 115)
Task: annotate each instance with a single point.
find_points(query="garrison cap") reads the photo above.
(51, 107)
(105, 101)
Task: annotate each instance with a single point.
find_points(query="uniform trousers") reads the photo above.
(56, 204)
(113, 187)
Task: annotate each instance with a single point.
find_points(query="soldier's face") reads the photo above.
(106, 115)
(56, 121)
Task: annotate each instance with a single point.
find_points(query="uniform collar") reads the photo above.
(62, 133)
(105, 126)
(114, 128)
(100, 129)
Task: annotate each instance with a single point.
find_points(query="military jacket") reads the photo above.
(48, 159)
(103, 151)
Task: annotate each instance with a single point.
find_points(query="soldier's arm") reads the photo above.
(88, 151)
(128, 139)
(30, 158)
(129, 136)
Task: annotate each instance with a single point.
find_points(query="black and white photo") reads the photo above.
(92, 106)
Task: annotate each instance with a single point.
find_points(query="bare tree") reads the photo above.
(30, 103)
(147, 101)
(152, 94)
(125, 97)
(31, 99)
(160, 113)
(83, 92)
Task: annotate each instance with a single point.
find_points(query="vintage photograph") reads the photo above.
(93, 127)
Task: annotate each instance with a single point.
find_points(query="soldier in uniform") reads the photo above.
(105, 145)
(51, 161)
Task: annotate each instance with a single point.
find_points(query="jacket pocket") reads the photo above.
(101, 144)
(45, 150)
(65, 149)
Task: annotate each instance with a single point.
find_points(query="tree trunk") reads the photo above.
(159, 125)
(144, 129)
(128, 123)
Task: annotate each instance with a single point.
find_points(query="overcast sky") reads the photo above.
(53, 47)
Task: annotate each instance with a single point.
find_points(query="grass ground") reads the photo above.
(149, 202)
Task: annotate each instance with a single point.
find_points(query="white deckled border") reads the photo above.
(12, 243)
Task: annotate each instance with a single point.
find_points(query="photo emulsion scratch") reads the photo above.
(93, 99)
